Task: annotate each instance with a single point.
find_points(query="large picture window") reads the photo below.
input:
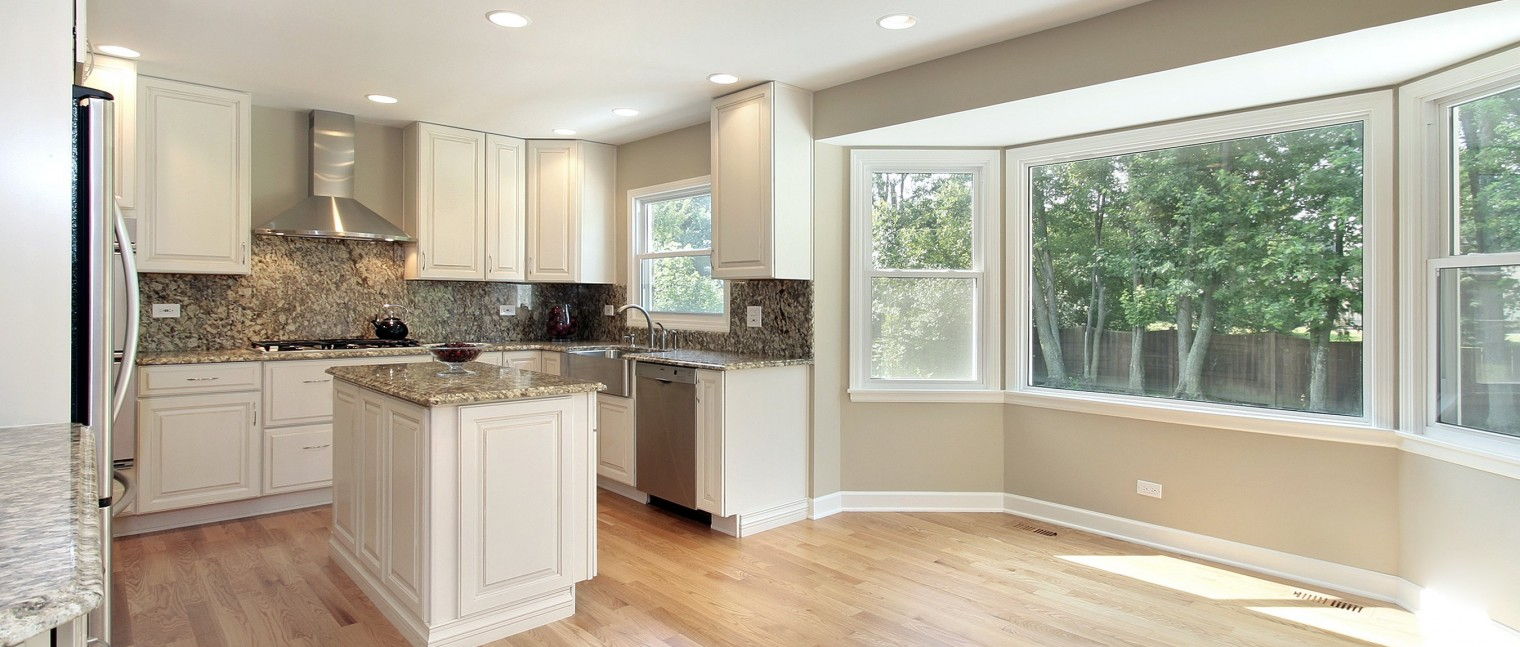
(923, 235)
(1221, 262)
(1462, 241)
(671, 269)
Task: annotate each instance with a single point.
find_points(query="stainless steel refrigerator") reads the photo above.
(104, 316)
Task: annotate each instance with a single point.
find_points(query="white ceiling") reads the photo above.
(568, 69)
(1359, 60)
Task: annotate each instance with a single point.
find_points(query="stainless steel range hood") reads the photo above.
(331, 210)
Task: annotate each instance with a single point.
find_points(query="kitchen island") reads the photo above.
(464, 506)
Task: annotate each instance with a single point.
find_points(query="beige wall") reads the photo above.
(1150, 37)
(676, 155)
(1332, 501)
(281, 164)
(1460, 532)
(36, 166)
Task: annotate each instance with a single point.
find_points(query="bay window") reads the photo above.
(923, 311)
(1230, 265)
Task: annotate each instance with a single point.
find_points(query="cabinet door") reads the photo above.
(506, 208)
(119, 77)
(446, 210)
(552, 362)
(194, 201)
(616, 443)
(197, 449)
(741, 185)
(404, 482)
(524, 360)
(371, 492)
(519, 528)
(710, 443)
(553, 210)
(347, 462)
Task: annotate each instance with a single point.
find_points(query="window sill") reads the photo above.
(716, 323)
(1199, 415)
(1474, 449)
(926, 395)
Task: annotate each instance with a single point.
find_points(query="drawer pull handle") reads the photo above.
(201, 379)
(316, 381)
(317, 446)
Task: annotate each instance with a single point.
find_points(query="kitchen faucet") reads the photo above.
(648, 322)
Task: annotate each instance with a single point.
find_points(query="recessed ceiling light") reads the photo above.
(563, 131)
(625, 112)
(897, 21)
(118, 50)
(723, 79)
(508, 18)
(380, 98)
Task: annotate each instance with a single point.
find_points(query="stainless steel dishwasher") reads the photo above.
(666, 399)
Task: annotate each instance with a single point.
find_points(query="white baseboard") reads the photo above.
(744, 525)
(1316, 572)
(826, 505)
(136, 524)
(621, 489)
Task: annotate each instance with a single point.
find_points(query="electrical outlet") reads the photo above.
(752, 316)
(608, 310)
(506, 310)
(165, 311)
(1147, 488)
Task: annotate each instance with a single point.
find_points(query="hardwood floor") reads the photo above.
(850, 579)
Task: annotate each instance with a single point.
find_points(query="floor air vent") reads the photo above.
(1035, 529)
(1328, 601)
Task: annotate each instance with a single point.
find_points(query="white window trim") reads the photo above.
(1379, 350)
(1424, 177)
(984, 166)
(672, 320)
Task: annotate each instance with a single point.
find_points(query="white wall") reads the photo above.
(36, 171)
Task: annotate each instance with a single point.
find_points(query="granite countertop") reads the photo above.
(420, 383)
(50, 567)
(711, 360)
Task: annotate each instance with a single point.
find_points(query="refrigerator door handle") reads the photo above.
(134, 310)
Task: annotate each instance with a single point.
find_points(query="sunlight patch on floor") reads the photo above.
(1189, 577)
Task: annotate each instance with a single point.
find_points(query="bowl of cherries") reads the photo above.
(455, 355)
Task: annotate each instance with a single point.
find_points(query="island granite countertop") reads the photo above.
(50, 567)
(704, 359)
(420, 383)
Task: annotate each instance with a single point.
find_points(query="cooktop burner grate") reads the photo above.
(283, 345)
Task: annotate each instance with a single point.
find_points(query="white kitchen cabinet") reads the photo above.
(762, 179)
(616, 442)
(348, 447)
(197, 449)
(298, 458)
(444, 201)
(553, 362)
(751, 454)
(570, 211)
(506, 208)
(195, 160)
(119, 77)
(524, 360)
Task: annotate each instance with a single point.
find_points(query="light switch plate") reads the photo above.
(506, 310)
(608, 310)
(752, 316)
(165, 311)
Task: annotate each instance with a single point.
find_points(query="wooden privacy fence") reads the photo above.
(1262, 369)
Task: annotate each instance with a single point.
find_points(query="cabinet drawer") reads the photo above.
(297, 393)
(198, 378)
(298, 458)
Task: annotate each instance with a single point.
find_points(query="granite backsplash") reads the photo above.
(304, 288)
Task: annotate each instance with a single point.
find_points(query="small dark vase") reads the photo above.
(561, 322)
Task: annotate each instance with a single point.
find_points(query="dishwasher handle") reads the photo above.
(667, 374)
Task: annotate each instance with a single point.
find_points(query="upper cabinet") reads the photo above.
(119, 77)
(463, 200)
(762, 179)
(193, 199)
(443, 201)
(570, 211)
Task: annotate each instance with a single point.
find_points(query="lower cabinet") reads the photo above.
(552, 362)
(752, 454)
(297, 458)
(525, 360)
(616, 443)
(197, 449)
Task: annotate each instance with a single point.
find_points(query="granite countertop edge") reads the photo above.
(418, 393)
(85, 589)
(710, 360)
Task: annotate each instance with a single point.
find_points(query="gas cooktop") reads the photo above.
(285, 345)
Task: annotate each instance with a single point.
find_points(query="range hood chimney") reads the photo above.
(331, 210)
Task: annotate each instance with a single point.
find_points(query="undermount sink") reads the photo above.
(605, 365)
